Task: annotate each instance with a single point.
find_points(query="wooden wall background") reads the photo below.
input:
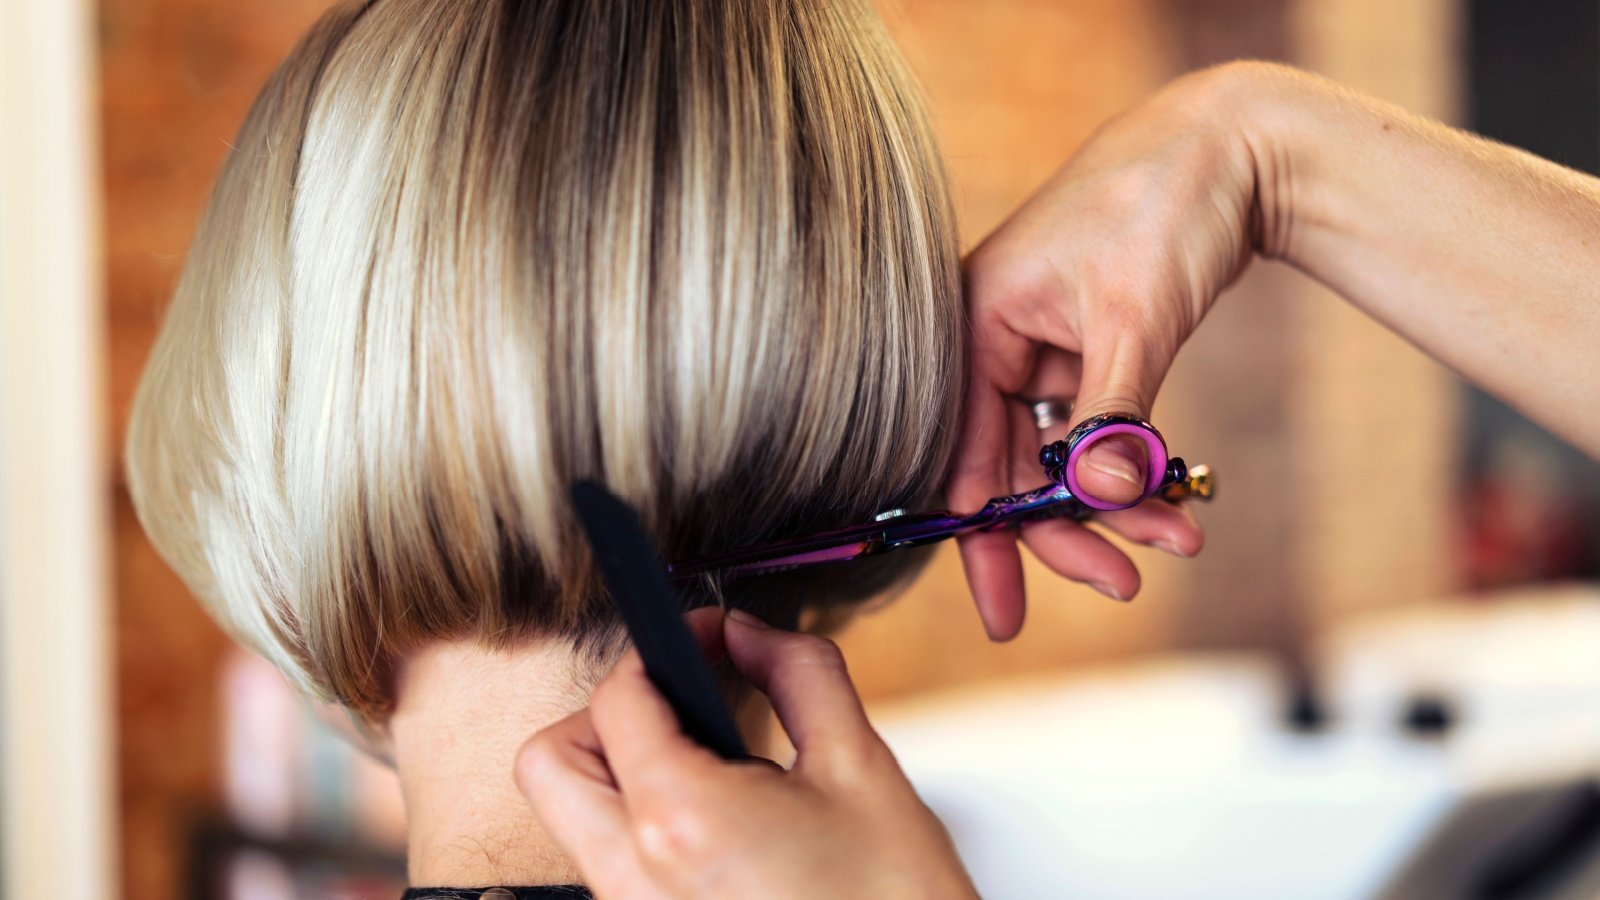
(1014, 86)
(176, 79)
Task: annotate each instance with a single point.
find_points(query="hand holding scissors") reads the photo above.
(1168, 478)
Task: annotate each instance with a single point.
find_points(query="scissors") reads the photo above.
(1168, 478)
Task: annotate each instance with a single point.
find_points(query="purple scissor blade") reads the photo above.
(832, 546)
(871, 538)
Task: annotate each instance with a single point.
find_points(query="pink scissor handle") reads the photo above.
(1060, 459)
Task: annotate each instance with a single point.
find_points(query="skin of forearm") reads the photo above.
(1483, 256)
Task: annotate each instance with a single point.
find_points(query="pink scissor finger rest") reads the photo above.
(1060, 459)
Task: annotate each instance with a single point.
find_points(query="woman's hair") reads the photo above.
(465, 252)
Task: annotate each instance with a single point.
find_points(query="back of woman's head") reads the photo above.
(467, 251)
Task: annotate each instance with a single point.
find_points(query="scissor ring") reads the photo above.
(1060, 459)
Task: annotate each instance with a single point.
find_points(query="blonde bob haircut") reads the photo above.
(466, 251)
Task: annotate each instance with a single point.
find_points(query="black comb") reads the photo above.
(638, 583)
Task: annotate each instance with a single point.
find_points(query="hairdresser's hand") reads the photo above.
(1481, 255)
(1087, 292)
(644, 812)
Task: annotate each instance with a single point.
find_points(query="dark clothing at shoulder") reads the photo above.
(548, 892)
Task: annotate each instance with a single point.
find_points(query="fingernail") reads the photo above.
(1109, 591)
(1172, 548)
(997, 637)
(747, 618)
(1118, 457)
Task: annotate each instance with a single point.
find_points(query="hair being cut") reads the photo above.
(467, 251)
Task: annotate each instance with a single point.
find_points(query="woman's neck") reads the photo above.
(461, 713)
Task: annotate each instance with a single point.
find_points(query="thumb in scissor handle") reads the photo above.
(1060, 459)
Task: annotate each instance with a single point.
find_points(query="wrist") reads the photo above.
(1260, 111)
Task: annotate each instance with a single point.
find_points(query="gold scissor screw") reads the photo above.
(1200, 485)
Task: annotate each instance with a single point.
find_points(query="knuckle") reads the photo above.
(1128, 311)
(1129, 188)
(1136, 192)
(676, 833)
(981, 274)
(991, 278)
(862, 759)
(1120, 294)
(1114, 399)
(542, 746)
(804, 649)
(539, 756)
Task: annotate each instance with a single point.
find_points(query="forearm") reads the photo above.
(1485, 257)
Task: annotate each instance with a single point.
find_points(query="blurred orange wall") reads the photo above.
(176, 79)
